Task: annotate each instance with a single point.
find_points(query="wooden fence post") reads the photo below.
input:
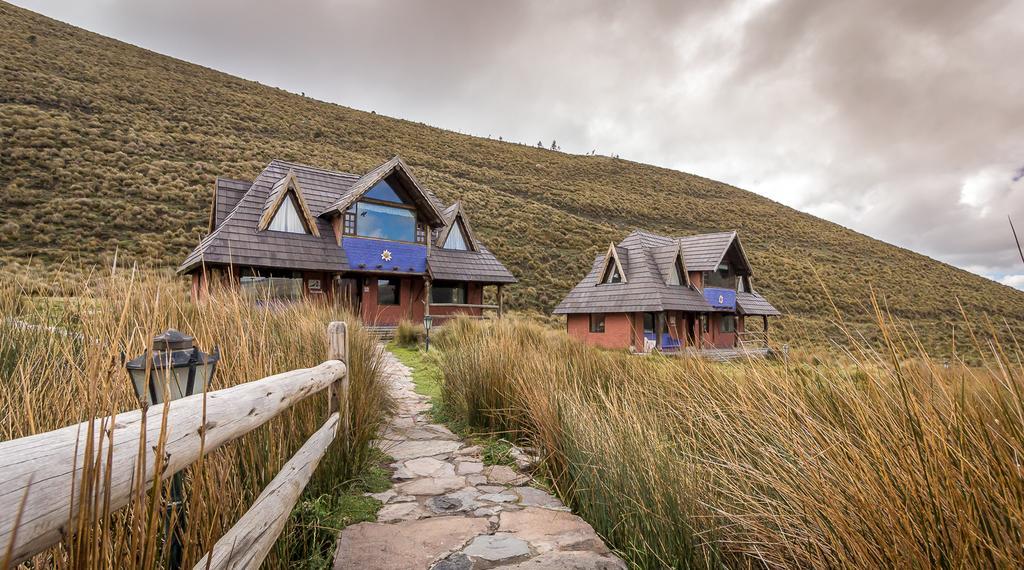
(337, 349)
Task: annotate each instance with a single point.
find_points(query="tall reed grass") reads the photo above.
(72, 371)
(883, 459)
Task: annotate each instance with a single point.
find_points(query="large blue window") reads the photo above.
(384, 192)
(385, 222)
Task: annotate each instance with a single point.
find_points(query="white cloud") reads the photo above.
(1016, 281)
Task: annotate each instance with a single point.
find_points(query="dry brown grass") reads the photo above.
(880, 459)
(50, 379)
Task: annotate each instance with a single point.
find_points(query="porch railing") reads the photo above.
(40, 475)
(752, 339)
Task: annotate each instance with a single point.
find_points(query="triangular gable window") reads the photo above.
(384, 192)
(611, 274)
(678, 275)
(287, 218)
(456, 238)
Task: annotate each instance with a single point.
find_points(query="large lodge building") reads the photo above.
(379, 243)
(385, 246)
(652, 291)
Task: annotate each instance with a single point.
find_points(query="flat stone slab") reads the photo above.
(413, 448)
(497, 547)
(460, 501)
(548, 530)
(429, 431)
(530, 497)
(400, 512)
(468, 467)
(383, 497)
(500, 497)
(502, 475)
(571, 560)
(457, 561)
(413, 544)
(429, 467)
(430, 486)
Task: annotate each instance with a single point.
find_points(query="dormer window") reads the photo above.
(678, 275)
(287, 218)
(285, 210)
(456, 238)
(384, 192)
(611, 274)
(723, 270)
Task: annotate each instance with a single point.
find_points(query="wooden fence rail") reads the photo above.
(40, 474)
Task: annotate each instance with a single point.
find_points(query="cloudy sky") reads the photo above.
(903, 120)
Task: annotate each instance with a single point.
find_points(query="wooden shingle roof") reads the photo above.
(645, 287)
(236, 239)
(755, 304)
(226, 195)
(648, 260)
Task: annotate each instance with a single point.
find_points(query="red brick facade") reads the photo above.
(626, 330)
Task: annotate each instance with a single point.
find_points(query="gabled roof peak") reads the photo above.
(278, 193)
(394, 166)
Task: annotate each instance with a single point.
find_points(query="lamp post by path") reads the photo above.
(173, 369)
(427, 321)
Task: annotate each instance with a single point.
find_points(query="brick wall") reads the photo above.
(618, 330)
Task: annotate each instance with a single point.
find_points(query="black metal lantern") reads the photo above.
(174, 365)
(427, 321)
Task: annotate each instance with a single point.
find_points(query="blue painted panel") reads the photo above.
(720, 298)
(667, 342)
(370, 255)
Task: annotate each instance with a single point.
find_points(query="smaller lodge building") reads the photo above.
(378, 243)
(666, 293)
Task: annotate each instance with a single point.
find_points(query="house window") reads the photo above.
(741, 284)
(448, 293)
(421, 233)
(705, 326)
(389, 291)
(349, 227)
(287, 218)
(727, 324)
(385, 222)
(650, 321)
(456, 238)
(722, 277)
(596, 323)
(268, 285)
(678, 275)
(611, 274)
(384, 192)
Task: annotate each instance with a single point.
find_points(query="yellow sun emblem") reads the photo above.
(386, 255)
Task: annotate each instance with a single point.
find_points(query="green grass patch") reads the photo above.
(428, 380)
(426, 375)
(495, 451)
(318, 518)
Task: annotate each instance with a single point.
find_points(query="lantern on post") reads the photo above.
(427, 322)
(174, 369)
(174, 364)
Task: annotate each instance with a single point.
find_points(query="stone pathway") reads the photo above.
(447, 511)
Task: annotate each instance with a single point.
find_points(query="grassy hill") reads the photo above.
(108, 146)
